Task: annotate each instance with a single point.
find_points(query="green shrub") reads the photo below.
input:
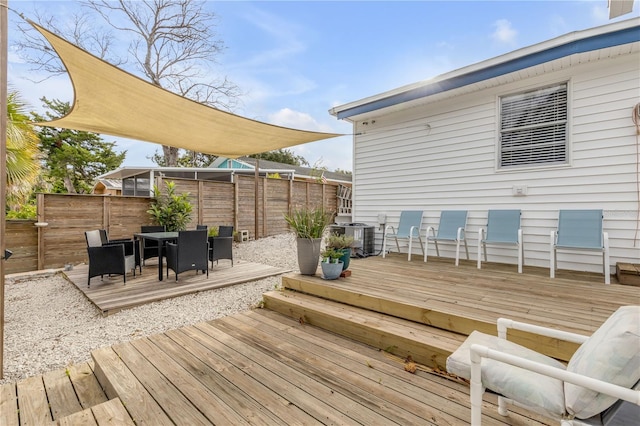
(170, 209)
(27, 211)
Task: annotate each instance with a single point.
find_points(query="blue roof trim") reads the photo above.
(615, 38)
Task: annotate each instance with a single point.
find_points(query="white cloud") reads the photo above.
(504, 32)
(297, 120)
(333, 153)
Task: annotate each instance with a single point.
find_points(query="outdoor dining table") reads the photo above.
(162, 238)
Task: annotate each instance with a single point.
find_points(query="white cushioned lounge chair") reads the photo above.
(590, 390)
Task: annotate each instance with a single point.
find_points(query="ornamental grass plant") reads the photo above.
(309, 222)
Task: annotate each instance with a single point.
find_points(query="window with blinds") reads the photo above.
(533, 127)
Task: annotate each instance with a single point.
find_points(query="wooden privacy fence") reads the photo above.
(67, 216)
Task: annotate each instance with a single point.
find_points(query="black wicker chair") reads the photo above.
(131, 246)
(108, 258)
(190, 253)
(221, 247)
(150, 248)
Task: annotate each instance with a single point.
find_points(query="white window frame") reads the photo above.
(547, 125)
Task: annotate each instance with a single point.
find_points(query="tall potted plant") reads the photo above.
(309, 225)
(169, 209)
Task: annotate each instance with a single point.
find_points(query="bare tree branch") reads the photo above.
(79, 30)
(172, 43)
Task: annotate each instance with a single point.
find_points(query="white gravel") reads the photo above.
(50, 324)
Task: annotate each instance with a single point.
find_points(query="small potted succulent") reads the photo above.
(331, 264)
(342, 243)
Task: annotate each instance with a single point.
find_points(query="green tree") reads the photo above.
(185, 159)
(23, 163)
(284, 156)
(72, 158)
(197, 159)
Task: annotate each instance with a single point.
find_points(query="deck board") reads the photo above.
(219, 376)
(32, 402)
(112, 413)
(111, 295)
(119, 382)
(86, 385)
(8, 405)
(60, 394)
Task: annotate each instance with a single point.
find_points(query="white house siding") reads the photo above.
(442, 156)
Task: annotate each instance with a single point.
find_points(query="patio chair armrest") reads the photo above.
(432, 230)
(460, 234)
(412, 229)
(479, 351)
(504, 324)
(389, 227)
(127, 243)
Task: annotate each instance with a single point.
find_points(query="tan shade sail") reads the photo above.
(113, 102)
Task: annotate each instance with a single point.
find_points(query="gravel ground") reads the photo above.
(49, 323)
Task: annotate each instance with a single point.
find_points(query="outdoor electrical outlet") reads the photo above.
(519, 190)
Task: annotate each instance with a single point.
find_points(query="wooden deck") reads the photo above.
(258, 367)
(111, 295)
(323, 352)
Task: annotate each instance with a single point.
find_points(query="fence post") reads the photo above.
(264, 207)
(236, 202)
(290, 196)
(40, 211)
(200, 202)
(106, 213)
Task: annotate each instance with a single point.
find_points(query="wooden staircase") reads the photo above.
(71, 396)
(398, 336)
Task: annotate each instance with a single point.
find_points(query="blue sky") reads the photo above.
(294, 60)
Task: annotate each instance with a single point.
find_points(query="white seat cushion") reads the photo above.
(612, 354)
(524, 386)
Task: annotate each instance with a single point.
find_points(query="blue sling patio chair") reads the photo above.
(408, 229)
(580, 230)
(503, 229)
(451, 229)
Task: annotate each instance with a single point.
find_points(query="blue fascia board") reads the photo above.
(601, 41)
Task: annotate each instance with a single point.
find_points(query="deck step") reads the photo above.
(426, 345)
(108, 413)
(46, 398)
(438, 308)
(119, 382)
(381, 301)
